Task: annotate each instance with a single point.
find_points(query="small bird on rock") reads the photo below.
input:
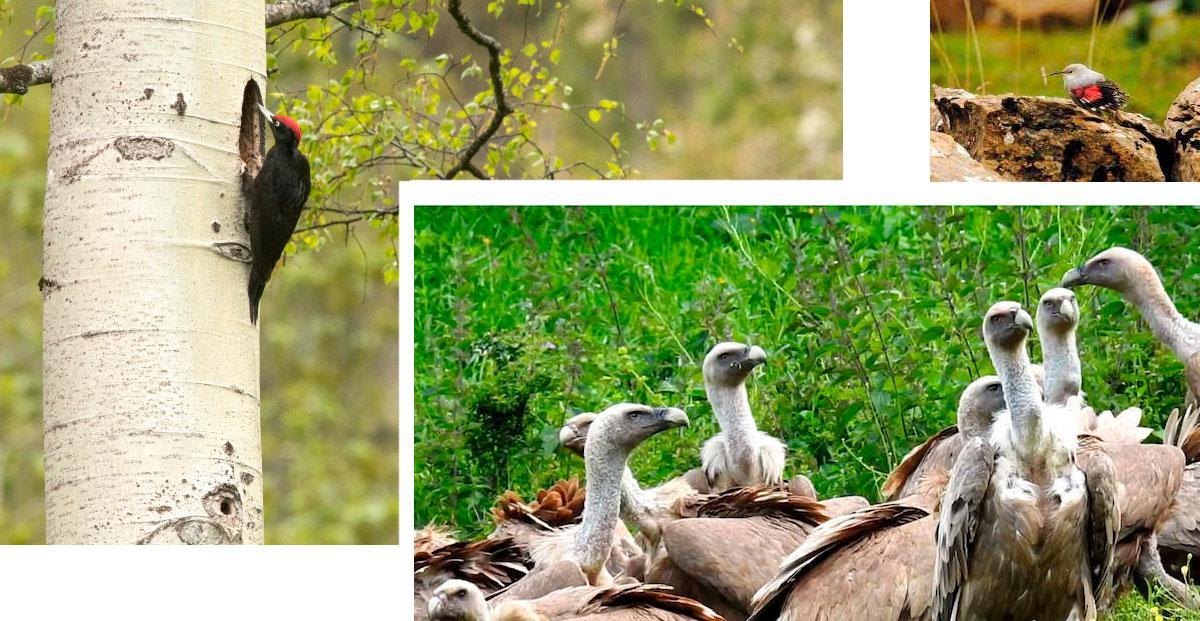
(1091, 90)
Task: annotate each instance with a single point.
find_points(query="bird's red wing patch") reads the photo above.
(1090, 93)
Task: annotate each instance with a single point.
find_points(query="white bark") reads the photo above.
(151, 388)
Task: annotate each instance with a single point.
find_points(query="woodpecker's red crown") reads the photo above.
(290, 123)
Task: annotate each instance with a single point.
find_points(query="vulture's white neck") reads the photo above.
(1060, 361)
(1021, 395)
(1169, 327)
(731, 405)
(633, 505)
(604, 463)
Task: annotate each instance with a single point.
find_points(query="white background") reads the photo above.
(886, 73)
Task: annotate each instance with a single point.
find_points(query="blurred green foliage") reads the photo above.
(870, 318)
(1152, 56)
(330, 405)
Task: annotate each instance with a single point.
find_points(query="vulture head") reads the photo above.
(1007, 325)
(626, 425)
(1119, 269)
(457, 600)
(1057, 312)
(729, 364)
(573, 434)
(979, 404)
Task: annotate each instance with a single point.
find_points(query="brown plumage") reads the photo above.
(706, 557)
(874, 564)
(460, 601)
(938, 452)
(489, 564)
(432, 537)
(558, 505)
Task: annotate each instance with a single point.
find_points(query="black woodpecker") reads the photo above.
(277, 197)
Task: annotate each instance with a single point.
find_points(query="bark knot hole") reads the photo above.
(234, 251)
(252, 141)
(143, 147)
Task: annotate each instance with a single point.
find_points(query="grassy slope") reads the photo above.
(605, 305)
(1153, 72)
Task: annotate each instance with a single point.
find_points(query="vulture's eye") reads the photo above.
(993, 387)
(724, 356)
(1048, 303)
(1103, 261)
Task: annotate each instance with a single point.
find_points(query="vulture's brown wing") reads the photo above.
(541, 581)
(649, 597)
(1150, 475)
(885, 548)
(898, 481)
(1181, 532)
(1104, 514)
(715, 548)
(633, 602)
(842, 505)
(957, 523)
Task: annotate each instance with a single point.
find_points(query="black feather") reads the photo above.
(277, 198)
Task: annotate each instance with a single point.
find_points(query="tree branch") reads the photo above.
(18, 78)
(502, 109)
(283, 11)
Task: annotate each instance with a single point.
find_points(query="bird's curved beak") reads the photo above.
(671, 417)
(756, 356)
(570, 439)
(1074, 278)
(1024, 320)
(265, 112)
(1056, 73)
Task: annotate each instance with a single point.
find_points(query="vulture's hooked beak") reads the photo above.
(671, 417)
(434, 604)
(756, 356)
(1024, 320)
(1074, 278)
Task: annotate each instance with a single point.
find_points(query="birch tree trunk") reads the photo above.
(151, 364)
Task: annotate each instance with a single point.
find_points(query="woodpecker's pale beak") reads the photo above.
(266, 113)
